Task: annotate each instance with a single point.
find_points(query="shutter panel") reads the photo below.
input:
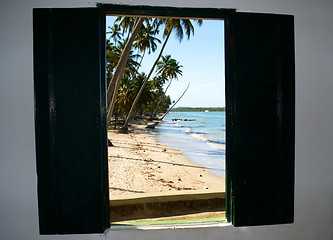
(70, 122)
(261, 118)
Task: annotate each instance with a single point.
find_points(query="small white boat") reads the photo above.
(206, 111)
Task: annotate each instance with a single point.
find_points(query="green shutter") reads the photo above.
(260, 120)
(70, 123)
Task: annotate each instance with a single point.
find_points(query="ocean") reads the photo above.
(199, 135)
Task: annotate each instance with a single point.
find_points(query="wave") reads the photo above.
(217, 144)
(188, 130)
(200, 136)
(202, 141)
(178, 125)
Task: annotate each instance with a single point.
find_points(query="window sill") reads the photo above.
(168, 226)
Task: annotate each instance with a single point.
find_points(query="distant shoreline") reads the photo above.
(198, 109)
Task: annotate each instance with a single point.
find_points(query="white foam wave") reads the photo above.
(216, 145)
(203, 137)
(177, 124)
(189, 130)
(200, 136)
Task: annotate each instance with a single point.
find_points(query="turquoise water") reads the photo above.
(199, 135)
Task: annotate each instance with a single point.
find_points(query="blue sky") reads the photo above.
(202, 58)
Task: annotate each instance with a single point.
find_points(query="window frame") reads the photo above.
(190, 13)
(229, 16)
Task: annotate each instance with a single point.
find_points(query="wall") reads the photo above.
(314, 115)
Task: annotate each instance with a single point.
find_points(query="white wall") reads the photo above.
(314, 119)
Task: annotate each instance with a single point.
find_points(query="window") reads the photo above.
(185, 167)
(71, 127)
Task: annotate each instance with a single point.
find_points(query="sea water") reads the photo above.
(199, 135)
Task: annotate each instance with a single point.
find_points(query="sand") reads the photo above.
(140, 164)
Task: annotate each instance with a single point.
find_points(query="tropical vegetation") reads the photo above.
(131, 92)
(198, 109)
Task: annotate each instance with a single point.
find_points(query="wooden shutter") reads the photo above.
(260, 119)
(70, 122)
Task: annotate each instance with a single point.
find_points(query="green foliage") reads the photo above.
(168, 67)
(165, 104)
(179, 26)
(113, 55)
(115, 33)
(146, 41)
(148, 95)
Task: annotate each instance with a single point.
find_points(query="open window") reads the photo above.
(168, 166)
(70, 116)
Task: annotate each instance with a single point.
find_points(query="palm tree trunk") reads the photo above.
(121, 69)
(175, 102)
(129, 116)
(131, 84)
(154, 112)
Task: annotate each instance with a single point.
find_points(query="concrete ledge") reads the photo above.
(142, 198)
(141, 206)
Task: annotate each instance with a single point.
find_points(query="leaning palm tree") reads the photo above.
(113, 54)
(174, 104)
(132, 64)
(170, 25)
(130, 70)
(112, 91)
(144, 41)
(169, 69)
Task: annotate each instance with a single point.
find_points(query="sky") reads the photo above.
(202, 58)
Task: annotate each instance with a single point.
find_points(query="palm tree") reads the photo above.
(169, 69)
(170, 25)
(132, 64)
(144, 41)
(175, 102)
(126, 23)
(147, 95)
(111, 57)
(130, 70)
(125, 102)
(113, 54)
(115, 33)
(112, 91)
(165, 104)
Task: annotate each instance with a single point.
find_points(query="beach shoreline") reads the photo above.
(139, 164)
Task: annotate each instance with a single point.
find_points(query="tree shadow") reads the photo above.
(170, 163)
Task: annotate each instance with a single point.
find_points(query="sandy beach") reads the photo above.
(140, 164)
